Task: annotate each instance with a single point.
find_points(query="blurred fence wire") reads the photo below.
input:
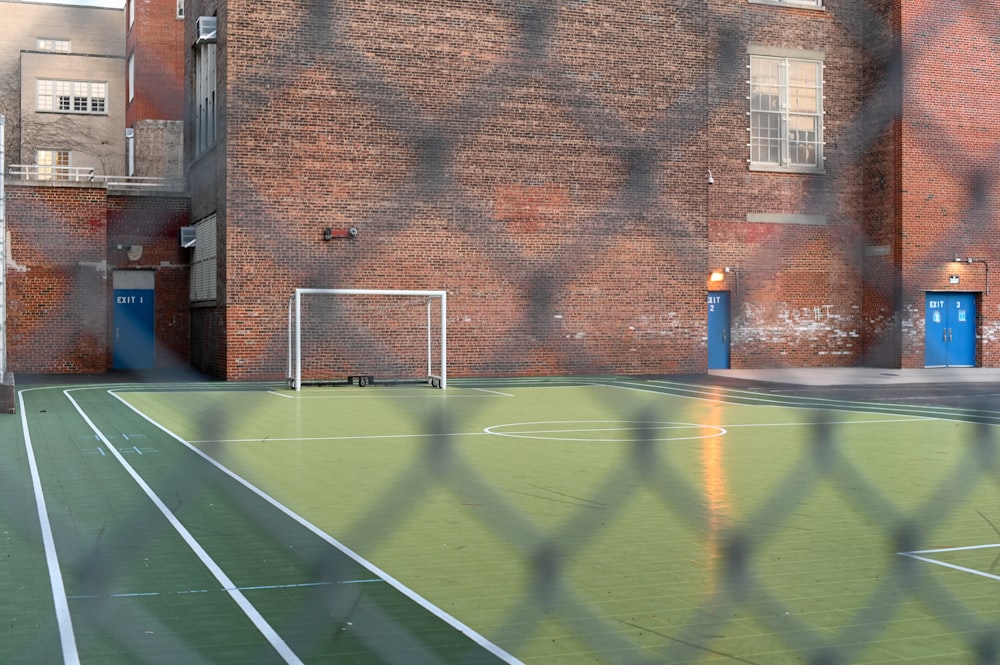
(643, 151)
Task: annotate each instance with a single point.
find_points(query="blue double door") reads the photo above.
(950, 330)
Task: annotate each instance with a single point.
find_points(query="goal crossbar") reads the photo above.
(438, 376)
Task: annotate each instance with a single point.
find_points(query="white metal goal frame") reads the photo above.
(438, 379)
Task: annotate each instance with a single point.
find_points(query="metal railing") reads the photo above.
(86, 174)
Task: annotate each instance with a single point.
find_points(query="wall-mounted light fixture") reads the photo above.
(970, 261)
(720, 276)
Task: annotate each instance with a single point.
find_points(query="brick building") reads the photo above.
(154, 112)
(571, 175)
(79, 234)
(62, 86)
(72, 247)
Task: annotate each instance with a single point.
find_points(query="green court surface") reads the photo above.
(520, 521)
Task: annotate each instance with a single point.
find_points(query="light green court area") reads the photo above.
(542, 522)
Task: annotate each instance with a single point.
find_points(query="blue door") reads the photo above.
(718, 329)
(134, 342)
(950, 339)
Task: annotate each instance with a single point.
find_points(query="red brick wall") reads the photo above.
(57, 284)
(949, 143)
(157, 40)
(799, 293)
(883, 260)
(499, 189)
(154, 222)
(548, 169)
(64, 243)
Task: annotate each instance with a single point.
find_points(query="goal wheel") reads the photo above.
(435, 383)
(291, 383)
(362, 381)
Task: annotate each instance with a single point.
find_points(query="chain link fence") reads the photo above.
(629, 148)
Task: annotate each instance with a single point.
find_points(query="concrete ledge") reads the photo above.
(7, 394)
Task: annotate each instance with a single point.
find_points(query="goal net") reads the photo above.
(362, 336)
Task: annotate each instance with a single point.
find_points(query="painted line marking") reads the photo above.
(441, 614)
(251, 612)
(916, 554)
(268, 587)
(494, 392)
(64, 620)
(359, 437)
(625, 426)
(879, 421)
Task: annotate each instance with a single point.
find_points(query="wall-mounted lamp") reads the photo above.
(711, 180)
(330, 233)
(720, 276)
(970, 261)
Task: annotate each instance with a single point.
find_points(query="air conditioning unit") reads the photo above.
(207, 26)
(188, 236)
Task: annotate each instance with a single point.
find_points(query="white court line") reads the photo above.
(382, 393)
(447, 618)
(924, 412)
(251, 612)
(494, 392)
(952, 549)
(981, 573)
(813, 423)
(357, 437)
(64, 620)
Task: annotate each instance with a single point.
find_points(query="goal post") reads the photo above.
(367, 335)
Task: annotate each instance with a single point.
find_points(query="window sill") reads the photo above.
(774, 168)
(785, 3)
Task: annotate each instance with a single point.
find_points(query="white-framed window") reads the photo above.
(54, 45)
(786, 113)
(204, 99)
(53, 164)
(131, 13)
(180, 8)
(87, 97)
(203, 262)
(131, 77)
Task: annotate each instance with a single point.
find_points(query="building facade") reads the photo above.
(571, 175)
(154, 112)
(62, 81)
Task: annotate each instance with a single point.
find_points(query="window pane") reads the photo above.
(803, 86)
(763, 71)
(802, 137)
(46, 100)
